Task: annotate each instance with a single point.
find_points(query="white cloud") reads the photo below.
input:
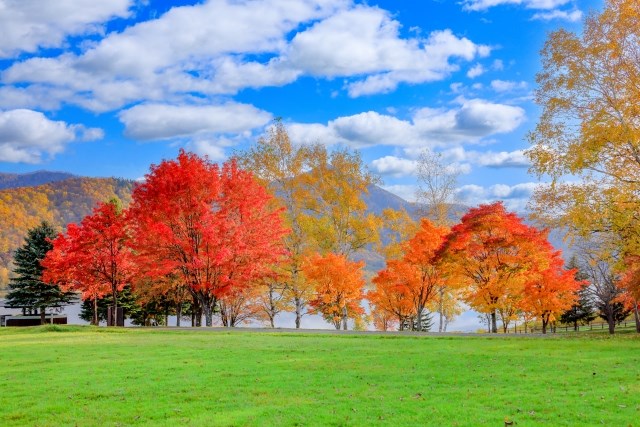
(475, 71)
(417, 63)
(26, 136)
(223, 46)
(501, 159)
(530, 4)
(28, 25)
(189, 49)
(472, 121)
(573, 16)
(162, 121)
(508, 86)
(394, 166)
(515, 197)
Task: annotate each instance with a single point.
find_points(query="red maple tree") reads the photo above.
(492, 252)
(94, 257)
(214, 226)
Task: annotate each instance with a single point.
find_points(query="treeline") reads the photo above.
(277, 228)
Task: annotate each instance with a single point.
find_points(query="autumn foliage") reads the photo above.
(214, 226)
(406, 287)
(94, 257)
(338, 287)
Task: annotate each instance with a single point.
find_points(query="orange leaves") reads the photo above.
(409, 284)
(338, 287)
(550, 291)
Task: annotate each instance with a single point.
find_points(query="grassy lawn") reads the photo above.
(85, 376)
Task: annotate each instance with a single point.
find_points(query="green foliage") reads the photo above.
(582, 312)
(26, 289)
(126, 300)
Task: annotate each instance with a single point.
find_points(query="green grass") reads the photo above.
(52, 376)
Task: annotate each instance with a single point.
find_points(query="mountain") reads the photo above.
(15, 180)
(59, 202)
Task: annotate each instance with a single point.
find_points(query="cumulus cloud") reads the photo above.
(181, 52)
(478, 5)
(26, 136)
(470, 122)
(28, 25)
(507, 85)
(492, 159)
(221, 47)
(162, 121)
(573, 16)
(475, 71)
(394, 166)
(515, 196)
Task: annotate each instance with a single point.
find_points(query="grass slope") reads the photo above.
(54, 376)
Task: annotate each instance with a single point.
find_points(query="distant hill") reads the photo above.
(60, 202)
(15, 180)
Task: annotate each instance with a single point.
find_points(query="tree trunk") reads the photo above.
(575, 325)
(344, 318)
(544, 325)
(440, 310)
(208, 315)
(43, 319)
(271, 322)
(298, 312)
(494, 323)
(611, 320)
(95, 311)
(178, 313)
(636, 316)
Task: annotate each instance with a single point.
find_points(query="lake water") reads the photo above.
(466, 322)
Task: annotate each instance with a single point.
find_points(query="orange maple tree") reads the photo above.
(407, 285)
(493, 252)
(338, 287)
(214, 226)
(630, 283)
(550, 292)
(94, 257)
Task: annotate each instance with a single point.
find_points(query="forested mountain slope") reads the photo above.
(60, 203)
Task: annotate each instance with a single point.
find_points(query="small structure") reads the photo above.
(9, 320)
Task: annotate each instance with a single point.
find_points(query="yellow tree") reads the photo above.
(336, 217)
(323, 196)
(589, 129)
(280, 166)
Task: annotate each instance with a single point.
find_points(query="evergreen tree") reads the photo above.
(126, 300)
(583, 311)
(27, 290)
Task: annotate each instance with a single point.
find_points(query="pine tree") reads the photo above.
(27, 290)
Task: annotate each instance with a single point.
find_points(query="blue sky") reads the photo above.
(107, 88)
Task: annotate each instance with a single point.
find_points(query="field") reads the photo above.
(85, 376)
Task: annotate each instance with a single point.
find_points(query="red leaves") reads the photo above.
(93, 258)
(214, 226)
